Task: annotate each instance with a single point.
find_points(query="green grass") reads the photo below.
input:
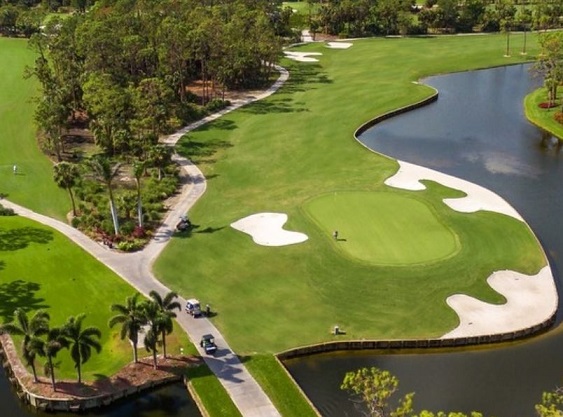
(40, 268)
(543, 117)
(282, 390)
(34, 186)
(384, 228)
(277, 154)
(211, 393)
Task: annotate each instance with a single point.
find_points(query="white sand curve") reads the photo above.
(339, 45)
(266, 229)
(302, 56)
(531, 299)
(477, 198)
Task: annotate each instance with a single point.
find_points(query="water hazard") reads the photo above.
(476, 131)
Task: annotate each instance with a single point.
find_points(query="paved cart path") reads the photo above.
(136, 269)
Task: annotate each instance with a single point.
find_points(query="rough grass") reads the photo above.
(33, 187)
(296, 145)
(40, 268)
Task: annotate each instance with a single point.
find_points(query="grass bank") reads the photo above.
(33, 187)
(279, 153)
(543, 117)
(41, 268)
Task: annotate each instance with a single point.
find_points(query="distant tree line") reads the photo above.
(121, 70)
(354, 18)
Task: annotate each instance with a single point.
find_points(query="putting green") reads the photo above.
(384, 228)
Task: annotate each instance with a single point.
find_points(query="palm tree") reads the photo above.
(131, 318)
(159, 157)
(155, 319)
(32, 328)
(66, 176)
(105, 173)
(49, 349)
(166, 306)
(138, 172)
(81, 341)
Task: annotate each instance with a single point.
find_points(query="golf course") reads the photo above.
(398, 256)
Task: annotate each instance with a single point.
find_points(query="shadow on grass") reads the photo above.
(304, 77)
(220, 124)
(273, 106)
(201, 152)
(15, 239)
(19, 294)
(195, 229)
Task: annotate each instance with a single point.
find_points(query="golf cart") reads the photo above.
(193, 308)
(208, 343)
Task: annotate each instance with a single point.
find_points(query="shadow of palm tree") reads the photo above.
(19, 294)
(201, 152)
(15, 239)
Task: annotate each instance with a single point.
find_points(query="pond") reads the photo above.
(476, 131)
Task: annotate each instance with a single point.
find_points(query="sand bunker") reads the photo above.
(478, 198)
(530, 301)
(266, 229)
(338, 45)
(302, 56)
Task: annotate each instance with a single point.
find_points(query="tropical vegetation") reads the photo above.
(372, 389)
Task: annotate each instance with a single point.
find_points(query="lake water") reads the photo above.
(476, 131)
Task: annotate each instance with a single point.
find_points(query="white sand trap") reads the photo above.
(302, 56)
(339, 45)
(530, 301)
(478, 198)
(266, 229)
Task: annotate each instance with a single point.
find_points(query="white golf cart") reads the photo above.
(193, 307)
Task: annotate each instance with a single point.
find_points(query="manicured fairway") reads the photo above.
(33, 187)
(40, 268)
(278, 154)
(384, 228)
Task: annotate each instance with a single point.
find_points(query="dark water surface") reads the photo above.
(168, 401)
(476, 131)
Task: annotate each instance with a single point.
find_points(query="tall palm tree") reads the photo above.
(105, 173)
(32, 328)
(49, 349)
(66, 175)
(167, 305)
(131, 318)
(138, 172)
(81, 341)
(155, 319)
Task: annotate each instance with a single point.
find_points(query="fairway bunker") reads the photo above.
(266, 229)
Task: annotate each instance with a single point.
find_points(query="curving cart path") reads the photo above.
(136, 269)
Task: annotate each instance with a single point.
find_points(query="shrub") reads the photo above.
(216, 105)
(131, 245)
(4, 211)
(126, 228)
(558, 117)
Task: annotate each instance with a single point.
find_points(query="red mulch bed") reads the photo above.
(132, 375)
